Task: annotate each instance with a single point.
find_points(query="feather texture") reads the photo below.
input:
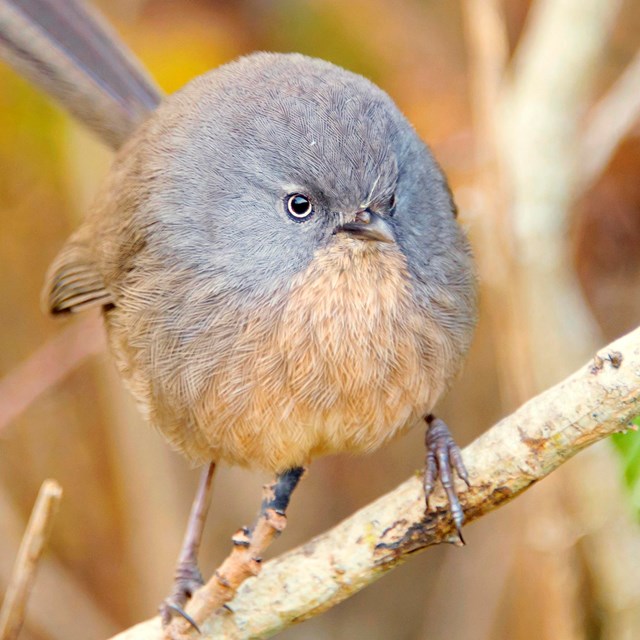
(243, 334)
(69, 52)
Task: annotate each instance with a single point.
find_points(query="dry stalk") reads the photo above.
(31, 548)
(609, 122)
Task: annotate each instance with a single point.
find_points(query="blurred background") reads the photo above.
(532, 110)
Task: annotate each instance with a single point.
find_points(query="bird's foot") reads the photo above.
(188, 580)
(244, 561)
(443, 457)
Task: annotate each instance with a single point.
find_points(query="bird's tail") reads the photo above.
(67, 50)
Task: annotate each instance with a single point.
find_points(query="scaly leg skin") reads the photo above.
(443, 457)
(187, 576)
(282, 489)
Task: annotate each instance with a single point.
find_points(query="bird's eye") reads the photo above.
(299, 207)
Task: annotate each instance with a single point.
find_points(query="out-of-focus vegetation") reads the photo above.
(527, 572)
(628, 444)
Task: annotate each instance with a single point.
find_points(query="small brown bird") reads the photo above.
(278, 261)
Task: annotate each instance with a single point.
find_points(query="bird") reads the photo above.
(276, 255)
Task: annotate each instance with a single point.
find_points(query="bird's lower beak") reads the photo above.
(369, 226)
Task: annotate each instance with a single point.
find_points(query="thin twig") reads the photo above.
(245, 559)
(31, 548)
(599, 399)
(50, 616)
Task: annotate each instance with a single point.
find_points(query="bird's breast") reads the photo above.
(342, 362)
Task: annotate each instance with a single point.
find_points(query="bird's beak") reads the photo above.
(369, 226)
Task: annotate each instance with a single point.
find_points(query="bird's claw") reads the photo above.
(176, 609)
(442, 458)
(188, 580)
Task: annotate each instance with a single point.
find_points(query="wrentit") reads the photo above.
(280, 269)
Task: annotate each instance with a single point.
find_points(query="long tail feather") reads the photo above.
(71, 53)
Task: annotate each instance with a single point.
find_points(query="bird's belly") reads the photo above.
(277, 434)
(347, 362)
(340, 361)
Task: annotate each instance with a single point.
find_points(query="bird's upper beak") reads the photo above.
(369, 226)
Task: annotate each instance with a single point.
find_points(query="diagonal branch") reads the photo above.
(47, 366)
(599, 399)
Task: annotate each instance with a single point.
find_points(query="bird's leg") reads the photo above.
(443, 457)
(187, 575)
(246, 556)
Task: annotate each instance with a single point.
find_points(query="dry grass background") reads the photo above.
(529, 571)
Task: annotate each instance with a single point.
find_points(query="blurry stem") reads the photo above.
(552, 81)
(599, 399)
(47, 366)
(609, 539)
(24, 571)
(546, 328)
(488, 57)
(610, 120)
(552, 73)
(527, 131)
(486, 36)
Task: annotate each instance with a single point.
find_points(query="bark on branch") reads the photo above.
(599, 399)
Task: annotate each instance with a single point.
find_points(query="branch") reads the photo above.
(596, 401)
(24, 571)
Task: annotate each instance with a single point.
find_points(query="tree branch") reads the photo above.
(599, 399)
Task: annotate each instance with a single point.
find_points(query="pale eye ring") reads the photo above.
(299, 206)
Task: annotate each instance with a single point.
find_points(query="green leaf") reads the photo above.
(628, 446)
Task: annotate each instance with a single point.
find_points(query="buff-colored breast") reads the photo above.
(346, 362)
